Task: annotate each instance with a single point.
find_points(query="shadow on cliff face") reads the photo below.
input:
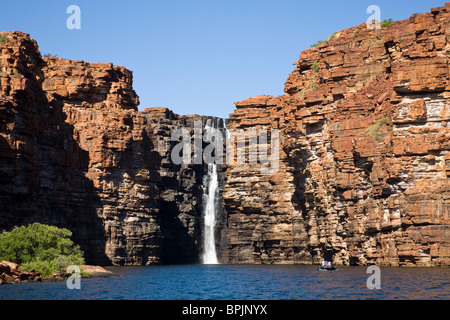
(178, 246)
(80, 203)
(180, 212)
(182, 207)
(157, 226)
(173, 201)
(43, 170)
(304, 201)
(121, 216)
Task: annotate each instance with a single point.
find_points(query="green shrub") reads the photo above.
(45, 249)
(49, 55)
(319, 44)
(3, 38)
(315, 66)
(387, 23)
(379, 130)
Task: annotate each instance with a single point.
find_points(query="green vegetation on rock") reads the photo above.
(3, 38)
(387, 23)
(315, 66)
(318, 44)
(379, 130)
(42, 248)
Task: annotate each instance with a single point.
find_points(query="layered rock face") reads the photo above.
(75, 152)
(361, 173)
(41, 164)
(364, 158)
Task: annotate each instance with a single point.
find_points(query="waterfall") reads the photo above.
(209, 254)
(210, 199)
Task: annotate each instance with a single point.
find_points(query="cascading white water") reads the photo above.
(209, 255)
(210, 197)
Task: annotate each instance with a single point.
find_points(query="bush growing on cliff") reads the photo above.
(2, 38)
(315, 66)
(318, 44)
(379, 130)
(387, 23)
(43, 248)
(49, 55)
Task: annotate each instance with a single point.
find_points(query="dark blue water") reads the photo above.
(233, 282)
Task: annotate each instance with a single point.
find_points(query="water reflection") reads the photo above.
(233, 282)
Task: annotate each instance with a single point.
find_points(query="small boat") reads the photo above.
(327, 268)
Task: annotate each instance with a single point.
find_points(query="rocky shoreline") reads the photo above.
(11, 273)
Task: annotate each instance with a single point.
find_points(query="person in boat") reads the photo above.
(326, 264)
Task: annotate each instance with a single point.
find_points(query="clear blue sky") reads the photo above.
(195, 56)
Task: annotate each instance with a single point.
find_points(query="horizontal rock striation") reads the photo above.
(364, 158)
(41, 164)
(75, 152)
(361, 170)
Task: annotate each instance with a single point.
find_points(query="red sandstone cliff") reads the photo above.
(365, 160)
(75, 152)
(363, 165)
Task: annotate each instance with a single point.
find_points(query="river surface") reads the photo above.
(239, 282)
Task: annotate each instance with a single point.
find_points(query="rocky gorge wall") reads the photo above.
(364, 159)
(363, 164)
(75, 152)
